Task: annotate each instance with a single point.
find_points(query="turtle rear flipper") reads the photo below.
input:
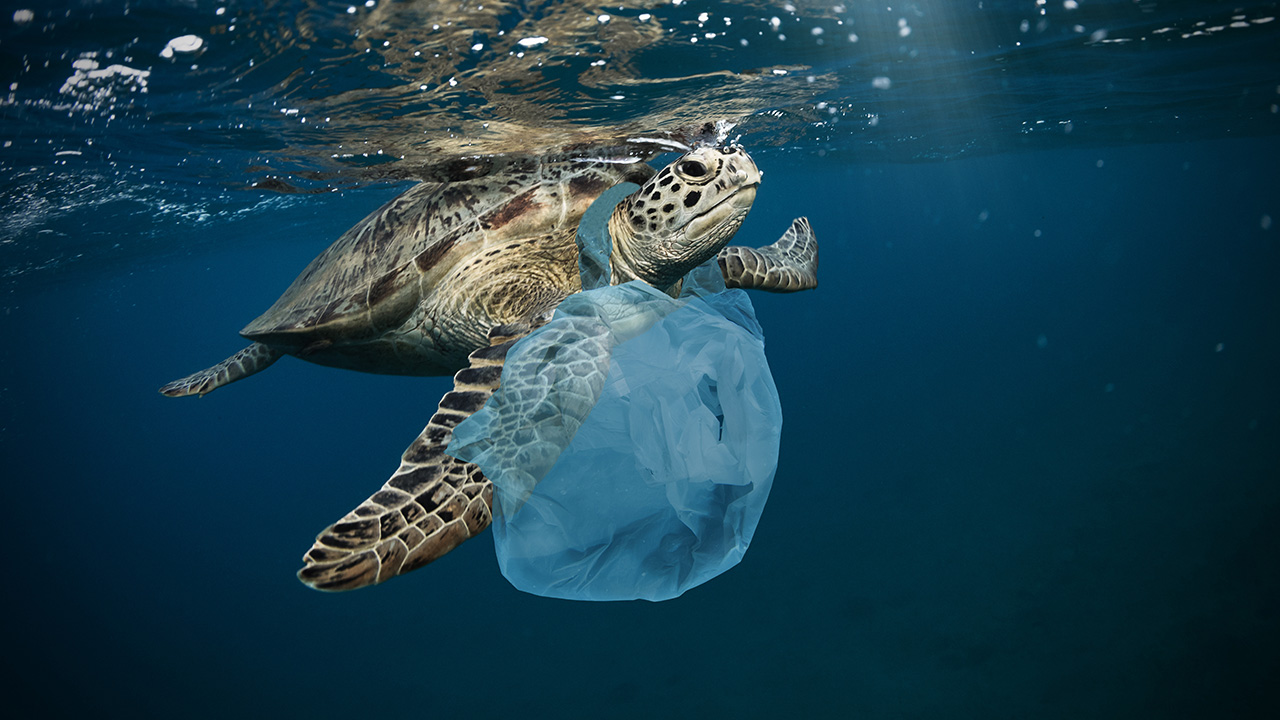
(788, 265)
(255, 358)
(433, 502)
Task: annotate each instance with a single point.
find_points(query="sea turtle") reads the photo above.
(448, 276)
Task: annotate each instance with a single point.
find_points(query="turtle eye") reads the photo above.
(693, 169)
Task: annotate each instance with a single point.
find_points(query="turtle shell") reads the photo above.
(370, 279)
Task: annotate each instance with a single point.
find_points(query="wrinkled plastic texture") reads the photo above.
(644, 474)
(594, 244)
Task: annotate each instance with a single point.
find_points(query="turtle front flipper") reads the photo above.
(788, 265)
(430, 505)
(255, 358)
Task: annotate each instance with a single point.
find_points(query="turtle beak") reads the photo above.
(744, 197)
(744, 174)
(727, 213)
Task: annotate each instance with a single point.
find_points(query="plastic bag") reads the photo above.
(658, 485)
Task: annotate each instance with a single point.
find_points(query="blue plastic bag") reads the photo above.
(658, 486)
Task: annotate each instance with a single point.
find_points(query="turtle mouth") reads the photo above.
(735, 205)
(741, 199)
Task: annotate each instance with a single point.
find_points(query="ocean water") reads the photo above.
(1030, 465)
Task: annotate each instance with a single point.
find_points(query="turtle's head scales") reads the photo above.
(685, 213)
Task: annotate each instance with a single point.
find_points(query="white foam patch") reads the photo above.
(92, 86)
(182, 45)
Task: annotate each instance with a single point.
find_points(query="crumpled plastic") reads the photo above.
(632, 443)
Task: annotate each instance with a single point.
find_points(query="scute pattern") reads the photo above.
(788, 265)
(375, 274)
(248, 361)
(429, 506)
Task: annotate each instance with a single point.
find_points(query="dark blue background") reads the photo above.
(1021, 476)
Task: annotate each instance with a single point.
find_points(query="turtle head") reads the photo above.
(682, 216)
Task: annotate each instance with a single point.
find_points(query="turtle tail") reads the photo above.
(431, 504)
(255, 358)
(788, 265)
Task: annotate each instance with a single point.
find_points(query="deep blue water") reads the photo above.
(1030, 465)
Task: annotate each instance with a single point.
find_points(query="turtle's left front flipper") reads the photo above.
(432, 503)
(788, 265)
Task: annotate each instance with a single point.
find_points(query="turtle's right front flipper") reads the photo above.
(255, 358)
(788, 265)
(432, 503)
